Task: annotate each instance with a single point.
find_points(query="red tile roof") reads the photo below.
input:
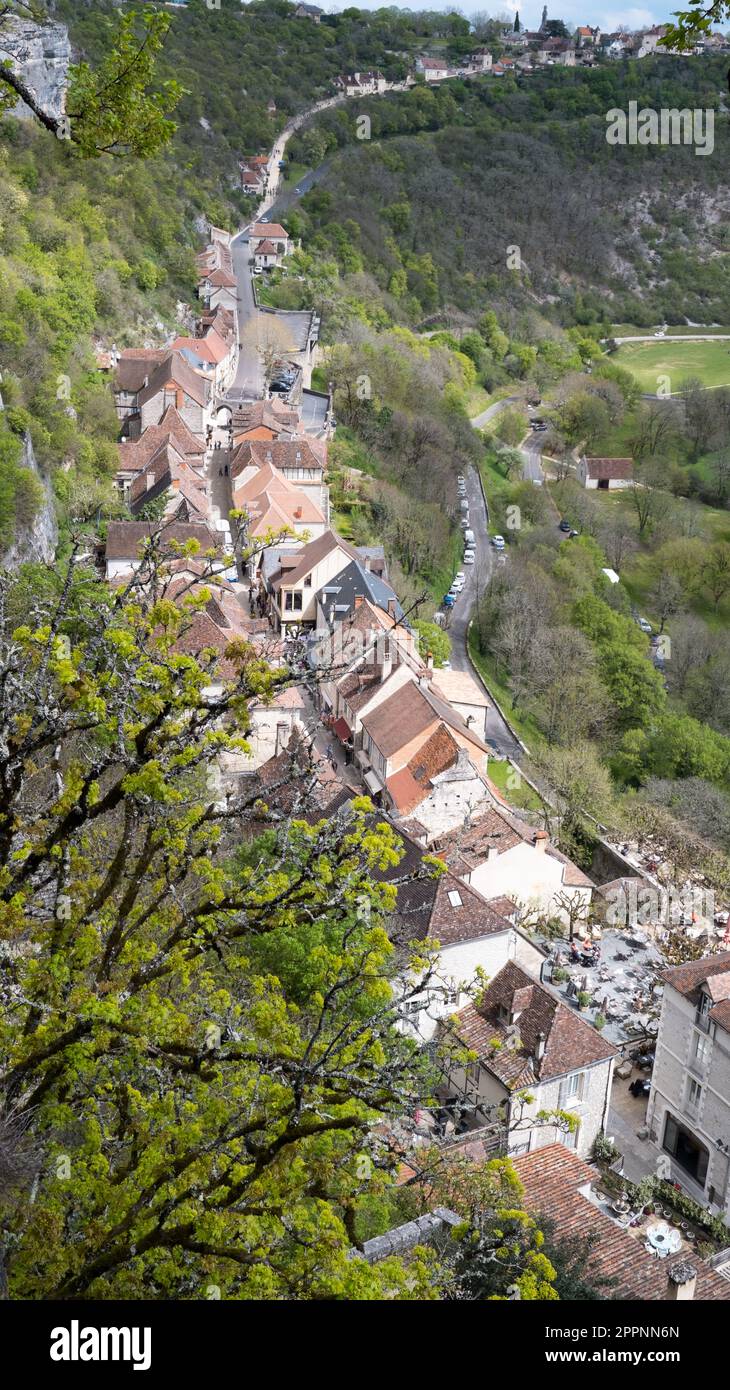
(555, 1181)
(515, 998)
(605, 468)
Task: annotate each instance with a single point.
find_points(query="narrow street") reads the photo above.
(477, 577)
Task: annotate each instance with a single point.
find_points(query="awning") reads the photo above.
(372, 782)
(342, 729)
(362, 759)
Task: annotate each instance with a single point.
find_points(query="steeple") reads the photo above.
(543, 21)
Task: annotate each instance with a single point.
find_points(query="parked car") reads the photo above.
(538, 426)
(449, 600)
(469, 538)
(645, 626)
(565, 525)
(465, 523)
(464, 505)
(497, 542)
(469, 557)
(459, 575)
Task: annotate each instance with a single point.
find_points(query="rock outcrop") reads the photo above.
(37, 542)
(40, 54)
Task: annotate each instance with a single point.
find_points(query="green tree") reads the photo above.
(433, 639)
(180, 1116)
(114, 108)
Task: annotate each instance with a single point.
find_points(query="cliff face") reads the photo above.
(35, 543)
(40, 54)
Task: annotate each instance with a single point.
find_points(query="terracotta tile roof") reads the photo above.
(605, 468)
(266, 248)
(279, 453)
(466, 847)
(553, 1179)
(268, 229)
(172, 433)
(211, 348)
(410, 711)
(514, 997)
(687, 979)
(412, 784)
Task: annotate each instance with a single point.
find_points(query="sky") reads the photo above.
(607, 15)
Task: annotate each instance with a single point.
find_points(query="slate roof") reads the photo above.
(570, 1042)
(355, 581)
(124, 538)
(310, 555)
(554, 1180)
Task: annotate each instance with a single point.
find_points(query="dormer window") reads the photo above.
(702, 1016)
(455, 898)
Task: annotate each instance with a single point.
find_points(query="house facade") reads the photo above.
(605, 473)
(528, 1043)
(689, 1104)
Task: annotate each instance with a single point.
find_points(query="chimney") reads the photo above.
(367, 562)
(681, 1281)
(429, 660)
(386, 667)
(539, 1047)
(540, 840)
(298, 513)
(391, 608)
(358, 600)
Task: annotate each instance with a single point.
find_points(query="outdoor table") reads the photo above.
(663, 1239)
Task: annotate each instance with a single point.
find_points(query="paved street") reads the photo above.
(249, 374)
(478, 576)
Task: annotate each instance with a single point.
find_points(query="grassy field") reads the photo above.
(709, 362)
(630, 330)
(502, 774)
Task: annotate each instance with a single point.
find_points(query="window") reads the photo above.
(292, 601)
(571, 1090)
(694, 1095)
(702, 1019)
(454, 898)
(471, 1078)
(307, 581)
(701, 1049)
(686, 1150)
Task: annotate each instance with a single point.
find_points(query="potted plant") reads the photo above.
(599, 1021)
(584, 999)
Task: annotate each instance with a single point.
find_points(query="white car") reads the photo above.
(659, 333)
(469, 557)
(459, 575)
(645, 626)
(497, 542)
(457, 586)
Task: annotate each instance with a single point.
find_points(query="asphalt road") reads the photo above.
(249, 373)
(477, 577)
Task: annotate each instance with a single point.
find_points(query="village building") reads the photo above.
(528, 1043)
(126, 542)
(689, 1105)
(605, 473)
(502, 855)
(432, 69)
(560, 1187)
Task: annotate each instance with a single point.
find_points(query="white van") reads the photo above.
(469, 538)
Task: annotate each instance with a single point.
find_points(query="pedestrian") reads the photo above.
(225, 470)
(328, 752)
(220, 472)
